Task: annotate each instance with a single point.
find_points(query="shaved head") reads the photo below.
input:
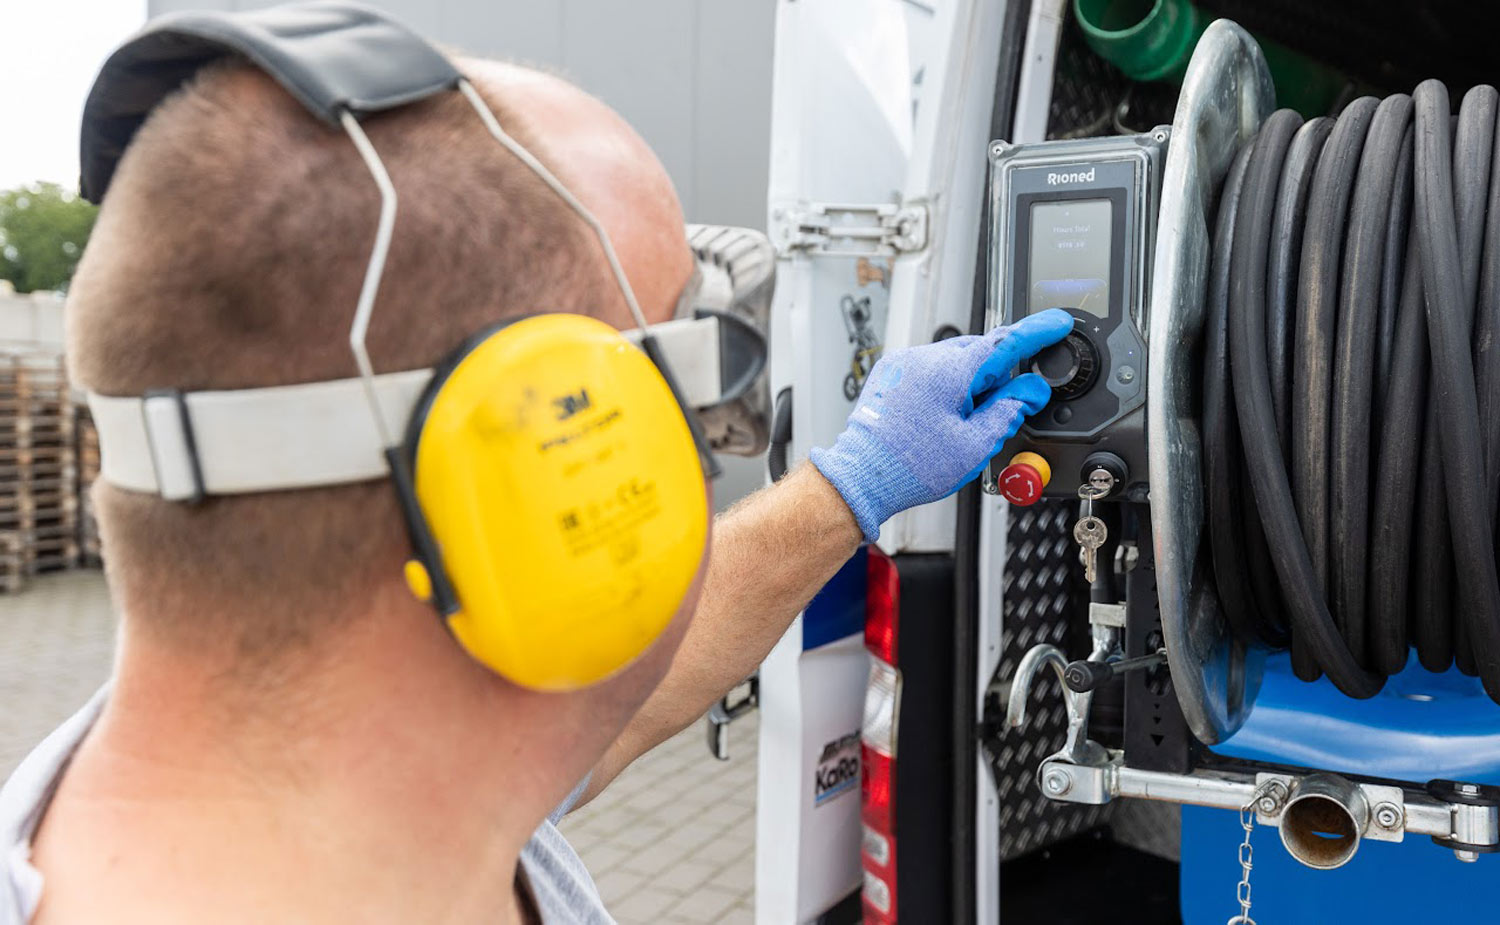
(229, 254)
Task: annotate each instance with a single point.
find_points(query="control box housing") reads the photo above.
(1073, 224)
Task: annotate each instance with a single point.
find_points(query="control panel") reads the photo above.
(1073, 224)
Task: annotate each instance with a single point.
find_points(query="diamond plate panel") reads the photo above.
(1044, 600)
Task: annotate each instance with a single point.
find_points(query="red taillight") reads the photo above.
(878, 845)
(878, 740)
(882, 607)
(875, 786)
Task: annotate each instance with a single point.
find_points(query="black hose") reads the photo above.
(1354, 367)
(1352, 316)
(1455, 398)
(1252, 387)
(1286, 255)
(1473, 150)
(1486, 348)
(1222, 482)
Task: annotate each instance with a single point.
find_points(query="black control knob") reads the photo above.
(1070, 367)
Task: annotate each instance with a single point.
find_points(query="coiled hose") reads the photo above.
(1351, 417)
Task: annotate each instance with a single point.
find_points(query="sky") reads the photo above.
(50, 51)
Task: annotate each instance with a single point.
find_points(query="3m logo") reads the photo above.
(838, 769)
(569, 405)
(1078, 176)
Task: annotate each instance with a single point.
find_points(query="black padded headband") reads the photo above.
(333, 56)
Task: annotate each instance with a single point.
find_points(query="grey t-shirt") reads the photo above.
(560, 884)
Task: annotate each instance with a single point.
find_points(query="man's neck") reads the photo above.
(353, 787)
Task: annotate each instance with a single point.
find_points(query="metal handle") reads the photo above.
(1078, 749)
(1087, 675)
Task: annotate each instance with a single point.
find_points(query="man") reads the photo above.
(289, 734)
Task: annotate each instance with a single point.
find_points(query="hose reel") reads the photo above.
(1341, 254)
(1303, 274)
(1226, 96)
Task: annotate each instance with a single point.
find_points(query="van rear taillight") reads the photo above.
(878, 740)
(882, 606)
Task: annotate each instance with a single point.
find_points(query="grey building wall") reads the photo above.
(692, 76)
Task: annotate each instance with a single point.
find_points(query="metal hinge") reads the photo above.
(843, 230)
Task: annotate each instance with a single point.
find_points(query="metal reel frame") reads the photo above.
(1226, 94)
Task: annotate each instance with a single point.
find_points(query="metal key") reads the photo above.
(1090, 534)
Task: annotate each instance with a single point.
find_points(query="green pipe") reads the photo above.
(1153, 39)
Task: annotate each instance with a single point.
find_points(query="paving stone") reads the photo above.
(616, 885)
(643, 833)
(706, 822)
(708, 904)
(738, 876)
(724, 850)
(647, 904)
(739, 915)
(57, 638)
(685, 876)
(603, 857)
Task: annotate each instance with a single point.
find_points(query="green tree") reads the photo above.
(43, 230)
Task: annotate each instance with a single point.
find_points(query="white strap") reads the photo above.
(185, 446)
(691, 347)
(295, 436)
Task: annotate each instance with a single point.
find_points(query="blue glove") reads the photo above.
(930, 418)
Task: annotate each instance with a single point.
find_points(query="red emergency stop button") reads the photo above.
(1022, 481)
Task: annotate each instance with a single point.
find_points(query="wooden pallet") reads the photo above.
(40, 499)
(89, 550)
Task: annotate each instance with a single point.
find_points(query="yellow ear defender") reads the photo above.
(556, 500)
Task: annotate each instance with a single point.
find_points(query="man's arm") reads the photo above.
(771, 553)
(926, 422)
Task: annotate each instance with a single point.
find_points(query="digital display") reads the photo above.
(1070, 252)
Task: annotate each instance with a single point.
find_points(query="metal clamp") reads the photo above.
(174, 451)
(1322, 816)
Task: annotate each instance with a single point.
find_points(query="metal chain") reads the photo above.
(1247, 853)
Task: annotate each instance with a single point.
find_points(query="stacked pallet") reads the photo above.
(39, 525)
(89, 555)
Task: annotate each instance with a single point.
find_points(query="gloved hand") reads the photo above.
(930, 418)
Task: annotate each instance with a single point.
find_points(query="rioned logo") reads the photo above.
(1078, 176)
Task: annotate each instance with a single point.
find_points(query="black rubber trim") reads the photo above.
(781, 435)
(924, 772)
(966, 721)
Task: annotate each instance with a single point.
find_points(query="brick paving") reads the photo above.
(56, 642)
(672, 840)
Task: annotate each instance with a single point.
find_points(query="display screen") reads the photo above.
(1070, 244)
